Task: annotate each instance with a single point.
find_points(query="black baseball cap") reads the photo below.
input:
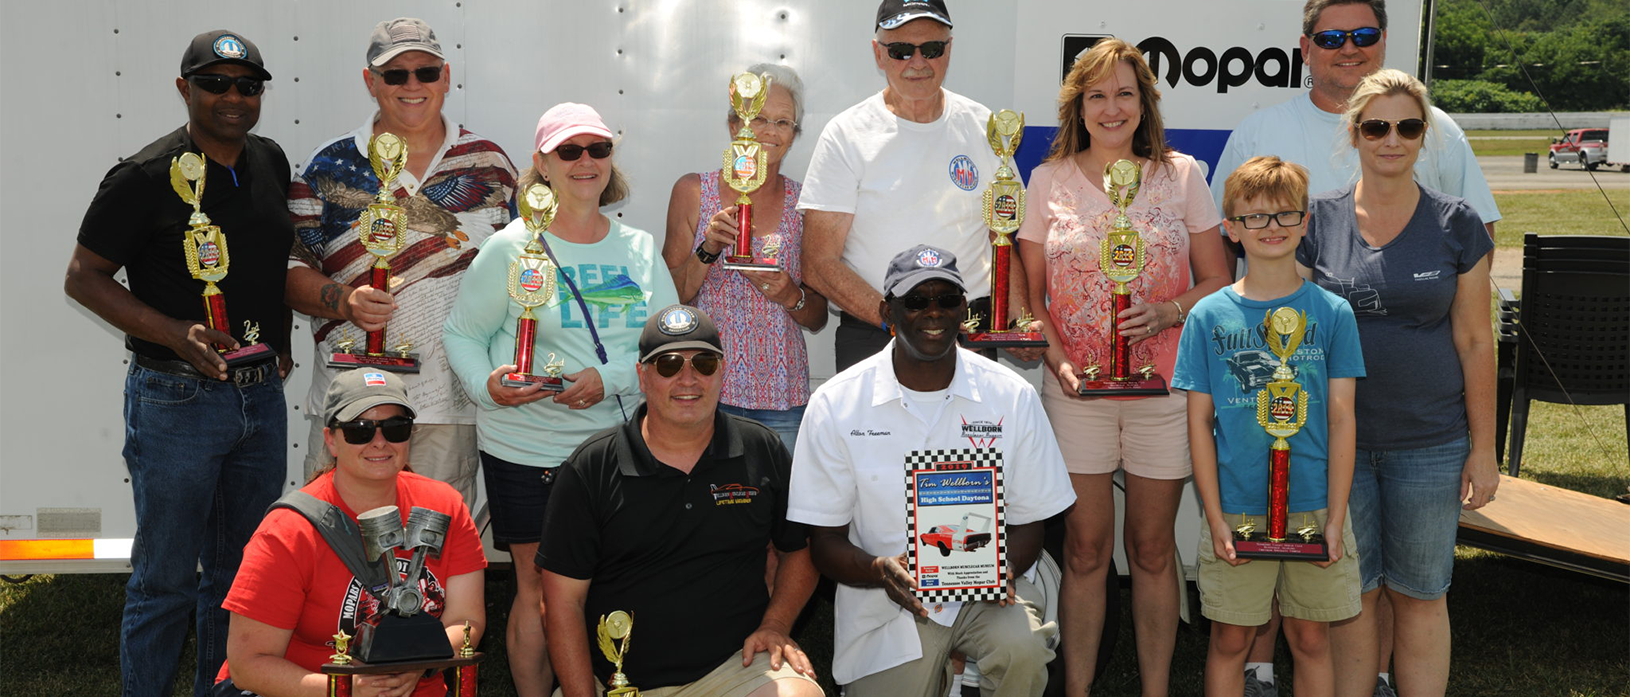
(676, 328)
(921, 263)
(222, 46)
(891, 14)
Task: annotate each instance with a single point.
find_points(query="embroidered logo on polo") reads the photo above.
(964, 173)
(359, 606)
(982, 433)
(677, 321)
(731, 494)
(229, 46)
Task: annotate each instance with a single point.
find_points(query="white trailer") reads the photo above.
(1618, 143)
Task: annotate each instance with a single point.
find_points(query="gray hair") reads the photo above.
(786, 77)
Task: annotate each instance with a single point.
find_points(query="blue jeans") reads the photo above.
(1405, 507)
(785, 423)
(206, 458)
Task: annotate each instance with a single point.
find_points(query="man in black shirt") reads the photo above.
(667, 517)
(205, 443)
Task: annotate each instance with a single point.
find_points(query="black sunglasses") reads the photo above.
(219, 84)
(429, 75)
(361, 431)
(1257, 221)
(1334, 38)
(1376, 129)
(669, 364)
(947, 301)
(901, 50)
(598, 151)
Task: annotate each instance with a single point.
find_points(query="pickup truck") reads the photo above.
(1585, 146)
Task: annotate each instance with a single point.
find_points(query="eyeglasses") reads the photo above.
(1257, 221)
(429, 75)
(360, 432)
(219, 84)
(761, 123)
(901, 50)
(669, 364)
(598, 151)
(948, 301)
(1376, 129)
(1335, 38)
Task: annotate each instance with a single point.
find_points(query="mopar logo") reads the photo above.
(1201, 65)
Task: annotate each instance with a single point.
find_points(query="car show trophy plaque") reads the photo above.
(380, 228)
(1004, 212)
(1281, 409)
(745, 167)
(204, 246)
(954, 503)
(1121, 257)
(616, 627)
(531, 284)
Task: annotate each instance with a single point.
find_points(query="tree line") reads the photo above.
(1524, 55)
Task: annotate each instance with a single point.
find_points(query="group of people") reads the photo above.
(687, 473)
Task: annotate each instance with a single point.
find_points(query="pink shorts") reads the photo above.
(1148, 437)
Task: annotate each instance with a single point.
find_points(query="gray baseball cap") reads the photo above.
(357, 391)
(918, 264)
(395, 37)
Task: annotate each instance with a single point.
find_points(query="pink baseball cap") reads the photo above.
(565, 120)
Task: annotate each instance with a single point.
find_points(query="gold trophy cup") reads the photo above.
(745, 167)
(1004, 213)
(1121, 257)
(618, 626)
(380, 228)
(531, 284)
(204, 247)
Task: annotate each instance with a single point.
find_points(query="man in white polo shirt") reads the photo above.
(922, 392)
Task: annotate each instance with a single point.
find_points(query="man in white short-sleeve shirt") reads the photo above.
(907, 165)
(848, 485)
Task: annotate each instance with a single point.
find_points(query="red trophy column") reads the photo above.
(1278, 492)
(380, 278)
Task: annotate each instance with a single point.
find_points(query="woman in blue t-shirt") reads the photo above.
(1412, 262)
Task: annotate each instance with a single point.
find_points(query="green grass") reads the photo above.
(1582, 212)
(1489, 143)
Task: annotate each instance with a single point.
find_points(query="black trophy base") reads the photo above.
(1009, 339)
(398, 639)
(1294, 548)
(246, 355)
(1136, 386)
(389, 362)
(750, 264)
(550, 384)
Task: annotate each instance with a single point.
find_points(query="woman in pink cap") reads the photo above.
(608, 276)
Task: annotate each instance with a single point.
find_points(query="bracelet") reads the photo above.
(705, 256)
(801, 298)
(1180, 317)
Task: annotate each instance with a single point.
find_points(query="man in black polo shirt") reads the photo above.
(205, 443)
(667, 517)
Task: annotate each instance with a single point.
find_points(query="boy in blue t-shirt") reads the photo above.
(1224, 360)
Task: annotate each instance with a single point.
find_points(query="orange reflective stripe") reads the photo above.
(17, 550)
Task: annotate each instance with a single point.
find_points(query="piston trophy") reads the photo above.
(618, 626)
(1004, 212)
(531, 284)
(1121, 257)
(380, 228)
(1281, 409)
(745, 164)
(205, 249)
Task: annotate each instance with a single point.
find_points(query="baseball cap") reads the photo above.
(222, 46)
(565, 120)
(676, 328)
(918, 264)
(398, 36)
(357, 391)
(893, 13)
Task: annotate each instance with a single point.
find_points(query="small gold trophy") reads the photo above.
(1004, 212)
(618, 625)
(204, 247)
(1281, 410)
(532, 284)
(1121, 258)
(745, 167)
(380, 229)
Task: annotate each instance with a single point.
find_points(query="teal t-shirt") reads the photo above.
(1224, 352)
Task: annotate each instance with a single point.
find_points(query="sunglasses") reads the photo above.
(360, 432)
(1257, 221)
(669, 364)
(428, 75)
(1335, 38)
(219, 84)
(948, 301)
(901, 50)
(598, 151)
(1376, 129)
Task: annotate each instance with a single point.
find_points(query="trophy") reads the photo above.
(745, 167)
(531, 284)
(618, 625)
(205, 250)
(380, 228)
(1121, 257)
(1281, 409)
(1004, 211)
(464, 676)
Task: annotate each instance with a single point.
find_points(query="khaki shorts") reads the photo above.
(1148, 437)
(443, 452)
(730, 679)
(1243, 595)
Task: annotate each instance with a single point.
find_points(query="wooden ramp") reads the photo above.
(1553, 526)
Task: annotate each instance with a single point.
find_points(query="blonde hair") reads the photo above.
(1384, 83)
(1094, 66)
(616, 185)
(1266, 178)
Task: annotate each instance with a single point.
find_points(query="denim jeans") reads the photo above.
(1405, 507)
(784, 423)
(206, 458)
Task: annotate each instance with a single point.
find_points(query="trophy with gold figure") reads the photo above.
(531, 284)
(1121, 258)
(1281, 410)
(1004, 212)
(380, 228)
(745, 167)
(205, 249)
(617, 627)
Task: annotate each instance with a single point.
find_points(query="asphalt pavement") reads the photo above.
(1504, 173)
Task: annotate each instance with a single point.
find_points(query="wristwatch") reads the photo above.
(706, 256)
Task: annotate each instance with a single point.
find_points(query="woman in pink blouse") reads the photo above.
(760, 314)
(1108, 110)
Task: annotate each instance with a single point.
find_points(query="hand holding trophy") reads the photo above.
(745, 167)
(1121, 258)
(531, 284)
(204, 246)
(1004, 213)
(380, 228)
(1281, 410)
